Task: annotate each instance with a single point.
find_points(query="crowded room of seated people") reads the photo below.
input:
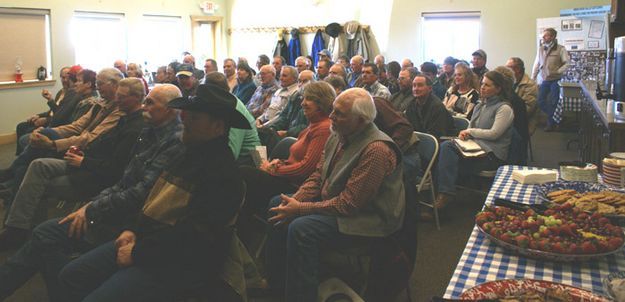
(264, 151)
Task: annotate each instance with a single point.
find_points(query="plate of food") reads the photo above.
(614, 286)
(529, 290)
(588, 197)
(562, 233)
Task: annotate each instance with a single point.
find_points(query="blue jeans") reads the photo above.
(412, 170)
(452, 165)
(95, 276)
(548, 98)
(47, 251)
(300, 243)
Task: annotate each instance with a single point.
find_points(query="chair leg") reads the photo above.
(438, 224)
(529, 144)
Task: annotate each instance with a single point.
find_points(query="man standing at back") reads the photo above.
(551, 62)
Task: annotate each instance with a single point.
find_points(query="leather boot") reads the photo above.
(442, 200)
(11, 237)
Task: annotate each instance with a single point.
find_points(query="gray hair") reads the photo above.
(166, 92)
(270, 67)
(111, 75)
(134, 85)
(302, 58)
(362, 103)
(290, 69)
(336, 81)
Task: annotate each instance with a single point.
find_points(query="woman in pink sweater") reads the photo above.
(285, 176)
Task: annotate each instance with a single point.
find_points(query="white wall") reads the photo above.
(508, 27)
(18, 104)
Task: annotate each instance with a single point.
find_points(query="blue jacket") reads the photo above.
(317, 46)
(295, 49)
(244, 91)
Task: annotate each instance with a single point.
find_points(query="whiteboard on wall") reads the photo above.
(577, 33)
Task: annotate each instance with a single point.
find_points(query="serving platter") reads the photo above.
(510, 287)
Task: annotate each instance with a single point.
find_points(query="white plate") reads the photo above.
(620, 155)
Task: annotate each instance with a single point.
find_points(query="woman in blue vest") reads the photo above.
(490, 128)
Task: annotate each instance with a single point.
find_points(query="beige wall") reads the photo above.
(508, 27)
(300, 13)
(18, 104)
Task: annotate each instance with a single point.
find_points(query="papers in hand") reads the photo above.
(259, 154)
(469, 148)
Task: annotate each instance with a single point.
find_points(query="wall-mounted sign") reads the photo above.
(209, 7)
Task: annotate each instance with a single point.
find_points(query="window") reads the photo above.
(99, 39)
(156, 51)
(25, 40)
(455, 34)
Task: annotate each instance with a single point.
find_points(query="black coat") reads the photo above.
(107, 156)
(184, 223)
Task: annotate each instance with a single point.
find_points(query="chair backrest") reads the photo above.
(427, 146)
(460, 123)
(282, 149)
(428, 152)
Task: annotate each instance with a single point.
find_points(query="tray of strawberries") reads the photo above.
(561, 233)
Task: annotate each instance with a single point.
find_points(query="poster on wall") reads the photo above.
(577, 33)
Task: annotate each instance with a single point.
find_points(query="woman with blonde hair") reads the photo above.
(134, 71)
(463, 95)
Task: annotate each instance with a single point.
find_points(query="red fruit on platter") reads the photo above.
(588, 248)
(615, 242)
(565, 231)
(522, 240)
(603, 221)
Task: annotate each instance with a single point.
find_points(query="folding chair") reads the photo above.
(281, 150)
(428, 152)
(461, 123)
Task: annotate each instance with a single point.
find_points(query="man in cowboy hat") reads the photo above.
(181, 236)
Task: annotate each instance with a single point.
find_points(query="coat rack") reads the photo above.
(275, 29)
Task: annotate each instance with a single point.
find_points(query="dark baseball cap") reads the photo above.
(216, 101)
(480, 53)
(185, 70)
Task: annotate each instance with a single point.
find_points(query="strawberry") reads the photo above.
(522, 241)
(558, 248)
(603, 221)
(615, 243)
(603, 246)
(588, 248)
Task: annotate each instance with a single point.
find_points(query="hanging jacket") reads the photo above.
(359, 45)
(281, 49)
(295, 49)
(317, 45)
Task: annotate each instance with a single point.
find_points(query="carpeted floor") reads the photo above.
(438, 250)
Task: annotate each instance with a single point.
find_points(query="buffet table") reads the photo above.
(483, 261)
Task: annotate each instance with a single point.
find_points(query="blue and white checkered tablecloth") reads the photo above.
(483, 261)
(566, 104)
